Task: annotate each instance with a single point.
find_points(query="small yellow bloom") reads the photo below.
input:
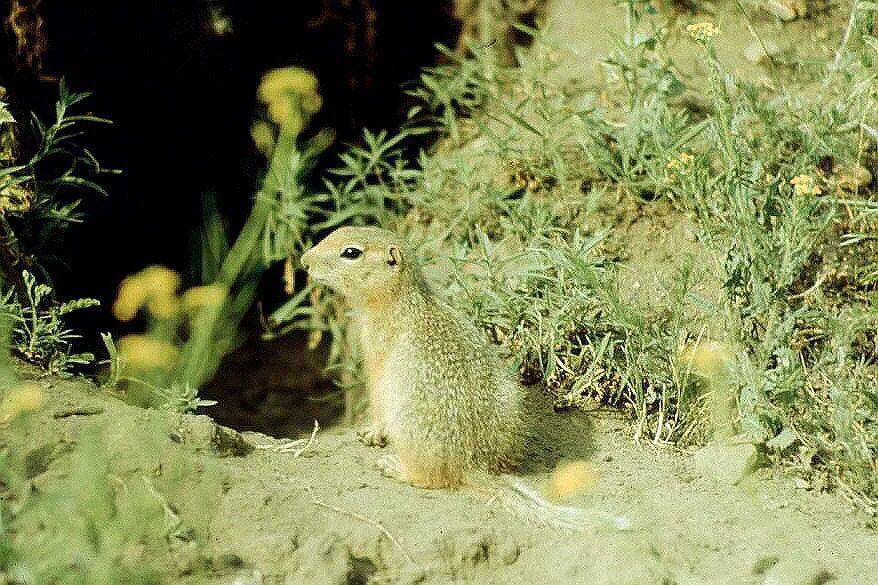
(263, 137)
(569, 479)
(159, 280)
(142, 352)
(211, 295)
(132, 296)
(277, 84)
(683, 160)
(154, 287)
(707, 358)
(287, 113)
(805, 185)
(702, 31)
(312, 103)
(27, 397)
(163, 306)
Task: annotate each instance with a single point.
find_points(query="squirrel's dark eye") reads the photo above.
(351, 253)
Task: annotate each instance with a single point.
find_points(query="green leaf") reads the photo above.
(6, 116)
(83, 184)
(782, 440)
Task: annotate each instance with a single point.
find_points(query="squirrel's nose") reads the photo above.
(304, 260)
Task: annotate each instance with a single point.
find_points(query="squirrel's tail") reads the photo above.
(526, 502)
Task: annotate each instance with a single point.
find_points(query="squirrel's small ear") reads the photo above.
(394, 256)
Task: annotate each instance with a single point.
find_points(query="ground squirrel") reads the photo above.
(437, 389)
(451, 410)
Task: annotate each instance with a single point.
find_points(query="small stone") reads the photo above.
(783, 440)
(727, 463)
(756, 54)
(201, 432)
(779, 8)
(509, 552)
(78, 411)
(764, 564)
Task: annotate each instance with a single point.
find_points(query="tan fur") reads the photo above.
(449, 406)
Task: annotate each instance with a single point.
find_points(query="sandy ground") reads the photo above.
(250, 513)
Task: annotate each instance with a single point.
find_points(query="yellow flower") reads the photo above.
(145, 353)
(569, 479)
(702, 31)
(212, 295)
(277, 84)
(286, 112)
(154, 286)
(684, 159)
(263, 137)
(805, 185)
(131, 297)
(26, 397)
(159, 280)
(707, 358)
(312, 103)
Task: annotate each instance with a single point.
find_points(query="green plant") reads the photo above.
(775, 188)
(38, 331)
(639, 60)
(36, 205)
(634, 149)
(187, 335)
(449, 91)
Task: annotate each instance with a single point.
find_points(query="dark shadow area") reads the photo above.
(178, 79)
(553, 436)
(274, 387)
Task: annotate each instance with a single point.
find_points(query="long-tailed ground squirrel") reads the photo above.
(448, 405)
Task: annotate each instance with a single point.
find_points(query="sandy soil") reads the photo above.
(249, 513)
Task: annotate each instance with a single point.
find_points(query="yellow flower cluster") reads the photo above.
(211, 295)
(290, 94)
(702, 31)
(142, 352)
(684, 160)
(27, 397)
(154, 287)
(805, 185)
(708, 358)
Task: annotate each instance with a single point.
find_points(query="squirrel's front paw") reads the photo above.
(373, 437)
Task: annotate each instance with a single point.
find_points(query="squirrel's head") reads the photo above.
(363, 264)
